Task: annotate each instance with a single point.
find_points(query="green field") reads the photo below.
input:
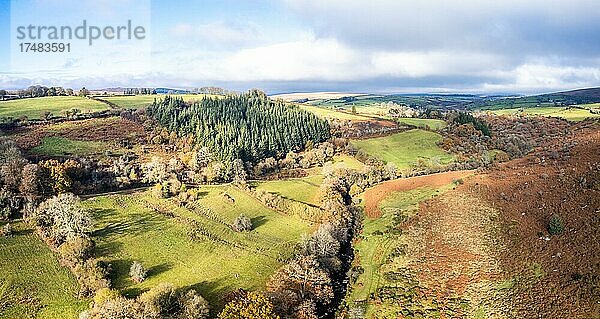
(34, 108)
(139, 101)
(60, 146)
(431, 124)
(347, 161)
(306, 189)
(329, 113)
(303, 190)
(379, 247)
(406, 148)
(570, 114)
(196, 247)
(32, 283)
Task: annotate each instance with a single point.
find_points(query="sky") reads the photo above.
(378, 46)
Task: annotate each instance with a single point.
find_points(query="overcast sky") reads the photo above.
(479, 46)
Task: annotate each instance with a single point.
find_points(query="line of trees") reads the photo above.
(249, 127)
(138, 91)
(211, 90)
(41, 91)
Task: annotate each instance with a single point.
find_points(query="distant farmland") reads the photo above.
(139, 101)
(35, 108)
(332, 114)
(570, 114)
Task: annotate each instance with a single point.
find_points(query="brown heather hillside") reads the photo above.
(487, 241)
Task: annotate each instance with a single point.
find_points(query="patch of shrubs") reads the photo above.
(478, 124)
(242, 224)
(137, 272)
(92, 275)
(249, 306)
(65, 226)
(76, 250)
(555, 225)
(162, 301)
(6, 230)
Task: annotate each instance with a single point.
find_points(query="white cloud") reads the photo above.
(297, 60)
(535, 75)
(420, 64)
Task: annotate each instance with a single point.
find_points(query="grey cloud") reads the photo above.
(514, 27)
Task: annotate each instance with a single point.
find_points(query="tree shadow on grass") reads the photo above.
(159, 269)
(22, 232)
(116, 223)
(258, 221)
(119, 274)
(214, 292)
(106, 249)
(201, 194)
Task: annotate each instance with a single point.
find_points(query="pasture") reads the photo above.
(193, 246)
(569, 114)
(60, 146)
(33, 284)
(326, 113)
(306, 189)
(407, 149)
(313, 96)
(140, 101)
(347, 161)
(35, 108)
(303, 190)
(431, 124)
(591, 106)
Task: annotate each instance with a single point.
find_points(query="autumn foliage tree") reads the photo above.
(62, 218)
(56, 177)
(300, 280)
(254, 305)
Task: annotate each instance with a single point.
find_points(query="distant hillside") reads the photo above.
(171, 91)
(574, 97)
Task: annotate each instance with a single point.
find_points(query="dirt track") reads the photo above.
(375, 195)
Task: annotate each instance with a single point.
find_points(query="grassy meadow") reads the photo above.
(303, 190)
(196, 246)
(406, 148)
(32, 282)
(60, 146)
(431, 124)
(329, 113)
(140, 101)
(347, 161)
(570, 114)
(35, 108)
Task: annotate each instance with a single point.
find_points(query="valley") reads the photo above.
(441, 214)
